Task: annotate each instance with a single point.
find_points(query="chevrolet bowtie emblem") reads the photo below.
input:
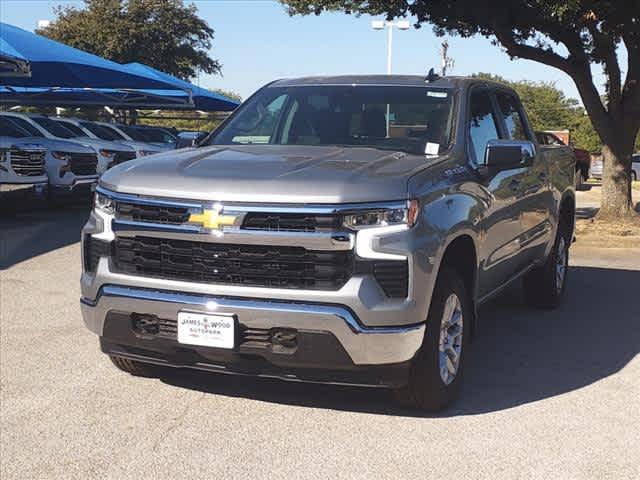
(212, 219)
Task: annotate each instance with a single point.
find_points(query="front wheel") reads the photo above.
(134, 367)
(580, 180)
(436, 371)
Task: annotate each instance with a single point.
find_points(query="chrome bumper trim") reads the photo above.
(365, 345)
(235, 235)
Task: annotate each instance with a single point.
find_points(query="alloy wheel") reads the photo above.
(451, 328)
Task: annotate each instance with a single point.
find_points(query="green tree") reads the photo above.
(569, 35)
(164, 34)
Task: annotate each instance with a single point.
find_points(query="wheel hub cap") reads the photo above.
(450, 339)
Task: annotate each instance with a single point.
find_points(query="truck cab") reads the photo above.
(332, 229)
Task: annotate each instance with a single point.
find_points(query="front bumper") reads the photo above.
(35, 189)
(78, 186)
(110, 316)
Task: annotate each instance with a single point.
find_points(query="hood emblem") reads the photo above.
(212, 219)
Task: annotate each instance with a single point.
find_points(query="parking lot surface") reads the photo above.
(547, 394)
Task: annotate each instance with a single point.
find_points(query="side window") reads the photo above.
(482, 124)
(512, 117)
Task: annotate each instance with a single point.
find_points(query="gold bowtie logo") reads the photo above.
(212, 220)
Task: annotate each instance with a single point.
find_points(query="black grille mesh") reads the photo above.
(254, 265)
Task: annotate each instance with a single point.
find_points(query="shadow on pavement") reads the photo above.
(24, 235)
(520, 356)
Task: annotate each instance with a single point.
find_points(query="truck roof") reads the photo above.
(382, 80)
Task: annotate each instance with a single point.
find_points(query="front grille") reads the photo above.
(83, 163)
(393, 277)
(152, 213)
(28, 163)
(121, 157)
(291, 222)
(249, 265)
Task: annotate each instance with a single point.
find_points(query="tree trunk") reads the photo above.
(616, 201)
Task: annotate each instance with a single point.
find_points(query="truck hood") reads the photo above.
(98, 144)
(269, 174)
(53, 144)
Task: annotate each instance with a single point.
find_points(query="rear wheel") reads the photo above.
(436, 372)
(133, 367)
(544, 286)
(634, 176)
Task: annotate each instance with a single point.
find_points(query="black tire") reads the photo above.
(634, 176)
(134, 367)
(426, 388)
(542, 288)
(580, 180)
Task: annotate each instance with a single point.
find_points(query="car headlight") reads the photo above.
(383, 217)
(144, 153)
(60, 155)
(104, 203)
(107, 153)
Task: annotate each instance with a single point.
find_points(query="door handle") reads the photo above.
(514, 185)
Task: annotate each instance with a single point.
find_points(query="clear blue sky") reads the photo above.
(256, 42)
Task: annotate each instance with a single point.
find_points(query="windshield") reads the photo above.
(102, 132)
(134, 133)
(157, 135)
(26, 126)
(77, 131)
(10, 129)
(411, 119)
(54, 128)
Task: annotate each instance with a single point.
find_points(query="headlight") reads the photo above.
(144, 153)
(107, 153)
(383, 217)
(60, 155)
(104, 204)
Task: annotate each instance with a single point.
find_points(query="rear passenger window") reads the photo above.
(512, 117)
(482, 125)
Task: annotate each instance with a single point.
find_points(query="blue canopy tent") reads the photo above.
(50, 67)
(203, 99)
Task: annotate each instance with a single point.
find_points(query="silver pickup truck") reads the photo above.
(333, 229)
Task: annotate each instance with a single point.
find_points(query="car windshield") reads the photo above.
(104, 133)
(10, 129)
(54, 128)
(77, 131)
(135, 133)
(410, 119)
(157, 135)
(26, 126)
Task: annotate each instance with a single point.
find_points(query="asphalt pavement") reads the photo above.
(546, 395)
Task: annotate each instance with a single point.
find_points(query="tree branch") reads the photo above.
(576, 66)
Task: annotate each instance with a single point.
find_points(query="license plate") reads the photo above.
(206, 330)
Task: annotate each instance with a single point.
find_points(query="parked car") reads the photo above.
(583, 158)
(53, 129)
(314, 237)
(597, 167)
(132, 137)
(114, 153)
(103, 131)
(22, 166)
(71, 167)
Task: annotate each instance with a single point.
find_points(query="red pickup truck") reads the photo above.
(583, 159)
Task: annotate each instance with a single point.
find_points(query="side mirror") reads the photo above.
(506, 154)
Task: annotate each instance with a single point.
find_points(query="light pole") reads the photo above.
(381, 25)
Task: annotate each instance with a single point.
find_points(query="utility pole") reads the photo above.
(447, 62)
